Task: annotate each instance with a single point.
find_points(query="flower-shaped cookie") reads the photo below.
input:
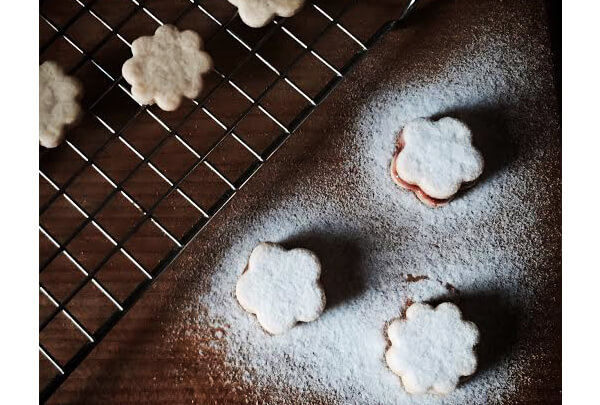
(166, 67)
(59, 103)
(258, 13)
(435, 159)
(432, 348)
(281, 287)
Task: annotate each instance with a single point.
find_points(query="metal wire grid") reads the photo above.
(148, 211)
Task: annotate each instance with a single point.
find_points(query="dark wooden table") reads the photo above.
(152, 356)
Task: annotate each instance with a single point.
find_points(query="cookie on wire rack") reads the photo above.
(258, 13)
(58, 103)
(166, 67)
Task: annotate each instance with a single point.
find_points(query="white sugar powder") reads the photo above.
(372, 238)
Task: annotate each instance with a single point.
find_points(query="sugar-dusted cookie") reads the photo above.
(166, 67)
(432, 348)
(435, 159)
(258, 13)
(59, 103)
(281, 287)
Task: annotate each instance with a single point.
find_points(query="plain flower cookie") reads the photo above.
(166, 67)
(258, 13)
(435, 159)
(432, 348)
(59, 103)
(281, 287)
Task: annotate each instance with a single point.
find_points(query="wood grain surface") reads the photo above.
(153, 355)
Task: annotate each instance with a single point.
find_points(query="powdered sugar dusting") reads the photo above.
(371, 239)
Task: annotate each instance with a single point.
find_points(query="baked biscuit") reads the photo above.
(281, 287)
(435, 159)
(59, 103)
(166, 67)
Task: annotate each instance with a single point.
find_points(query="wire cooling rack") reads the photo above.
(132, 185)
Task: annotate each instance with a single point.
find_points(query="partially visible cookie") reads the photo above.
(281, 287)
(436, 159)
(258, 13)
(432, 348)
(59, 103)
(166, 67)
